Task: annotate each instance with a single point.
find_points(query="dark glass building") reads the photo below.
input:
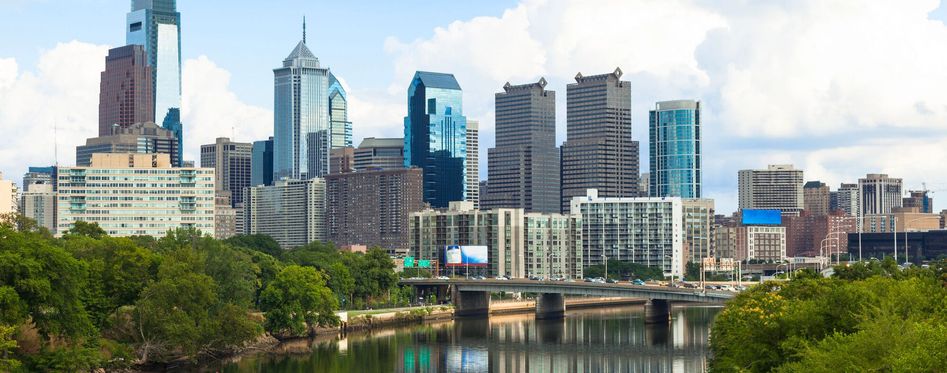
(125, 89)
(675, 159)
(261, 168)
(435, 136)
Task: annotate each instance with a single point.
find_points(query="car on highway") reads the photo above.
(443, 278)
(501, 278)
(638, 282)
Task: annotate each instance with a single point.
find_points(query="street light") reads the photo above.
(906, 257)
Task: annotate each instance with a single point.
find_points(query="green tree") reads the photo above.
(7, 346)
(82, 228)
(298, 298)
(257, 242)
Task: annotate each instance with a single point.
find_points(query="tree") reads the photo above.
(7, 346)
(297, 298)
(257, 242)
(82, 228)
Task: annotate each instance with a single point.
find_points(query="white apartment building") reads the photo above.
(290, 211)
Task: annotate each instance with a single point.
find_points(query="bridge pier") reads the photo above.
(550, 306)
(471, 303)
(657, 311)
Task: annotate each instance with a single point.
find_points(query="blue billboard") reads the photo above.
(761, 217)
(456, 255)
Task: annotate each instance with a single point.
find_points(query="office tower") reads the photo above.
(848, 199)
(144, 138)
(519, 244)
(301, 127)
(261, 163)
(833, 201)
(150, 204)
(156, 26)
(815, 197)
(371, 207)
(126, 89)
(777, 187)
(599, 152)
(674, 134)
(878, 194)
(341, 128)
(232, 163)
(292, 212)
(919, 199)
(225, 215)
(473, 162)
(435, 136)
(698, 225)
(342, 160)
(645, 230)
(380, 153)
(725, 242)
(644, 185)
(38, 204)
(523, 167)
(38, 175)
(9, 200)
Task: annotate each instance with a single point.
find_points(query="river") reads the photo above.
(612, 339)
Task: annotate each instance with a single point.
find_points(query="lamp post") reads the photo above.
(906, 257)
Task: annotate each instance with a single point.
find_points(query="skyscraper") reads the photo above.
(435, 136)
(878, 194)
(920, 199)
(815, 196)
(523, 167)
(675, 156)
(126, 90)
(231, 162)
(473, 162)
(156, 25)
(341, 127)
(848, 199)
(379, 153)
(290, 211)
(301, 123)
(144, 137)
(38, 175)
(261, 163)
(777, 187)
(599, 152)
(39, 203)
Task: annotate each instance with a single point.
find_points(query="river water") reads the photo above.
(595, 340)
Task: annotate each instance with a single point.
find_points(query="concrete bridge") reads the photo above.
(472, 297)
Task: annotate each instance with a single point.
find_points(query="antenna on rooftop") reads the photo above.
(56, 142)
(304, 29)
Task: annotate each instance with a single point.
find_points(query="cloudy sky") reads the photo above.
(838, 88)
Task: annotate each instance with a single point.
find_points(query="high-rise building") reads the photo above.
(919, 199)
(519, 244)
(38, 175)
(777, 187)
(371, 207)
(473, 162)
(225, 216)
(644, 230)
(815, 197)
(523, 167)
(340, 126)
(675, 157)
(435, 136)
(155, 197)
(292, 212)
(9, 200)
(39, 203)
(142, 138)
(156, 26)
(599, 152)
(126, 93)
(301, 124)
(644, 185)
(261, 163)
(878, 194)
(342, 160)
(379, 153)
(698, 225)
(232, 162)
(848, 199)
(810, 235)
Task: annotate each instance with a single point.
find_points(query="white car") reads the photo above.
(443, 278)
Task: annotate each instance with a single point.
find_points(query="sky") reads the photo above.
(837, 88)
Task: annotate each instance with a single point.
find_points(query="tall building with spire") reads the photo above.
(310, 116)
(156, 25)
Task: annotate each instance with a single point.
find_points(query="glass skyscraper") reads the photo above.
(675, 157)
(156, 25)
(301, 128)
(339, 114)
(261, 163)
(435, 136)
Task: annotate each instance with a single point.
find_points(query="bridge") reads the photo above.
(472, 297)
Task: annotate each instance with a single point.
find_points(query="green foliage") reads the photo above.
(81, 228)
(296, 299)
(870, 317)
(625, 270)
(257, 242)
(7, 346)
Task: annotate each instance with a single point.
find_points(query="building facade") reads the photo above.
(878, 194)
(342, 160)
(848, 199)
(646, 230)
(379, 153)
(9, 200)
(435, 137)
(919, 199)
(38, 175)
(698, 225)
(126, 93)
(523, 167)
(675, 156)
(261, 163)
(232, 163)
(599, 152)
(292, 212)
(472, 192)
(371, 208)
(810, 235)
(339, 124)
(225, 216)
(777, 187)
(39, 203)
(135, 194)
(815, 198)
(765, 243)
(144, 138)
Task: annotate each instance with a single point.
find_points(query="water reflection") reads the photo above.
(601, 340)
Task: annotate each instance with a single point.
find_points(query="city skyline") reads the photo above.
(801, 131)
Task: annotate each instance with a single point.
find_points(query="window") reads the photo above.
(134, 27)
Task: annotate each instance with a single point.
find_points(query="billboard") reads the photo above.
(457, 255)
(761, 217)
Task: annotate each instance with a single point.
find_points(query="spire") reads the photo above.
(304, 29)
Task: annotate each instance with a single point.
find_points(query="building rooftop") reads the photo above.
(382, 142)
(437, 80)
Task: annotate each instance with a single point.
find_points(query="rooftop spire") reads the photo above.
(304, 29)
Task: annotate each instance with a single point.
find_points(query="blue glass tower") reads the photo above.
(675, 149)
(301, 128)
(339, 115)
(435, 136)
(156, 25)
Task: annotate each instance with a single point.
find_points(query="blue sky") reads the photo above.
(838, 88)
